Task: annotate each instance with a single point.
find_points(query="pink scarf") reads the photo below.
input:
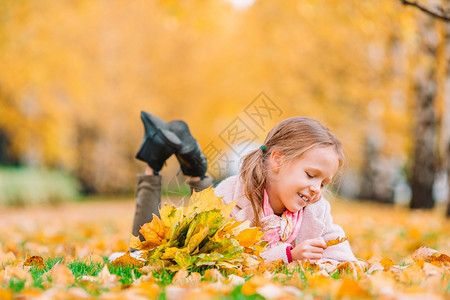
(282, 228)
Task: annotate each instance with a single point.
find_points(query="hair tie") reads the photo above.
(263, 148)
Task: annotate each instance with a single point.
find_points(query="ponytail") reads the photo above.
(253, 175)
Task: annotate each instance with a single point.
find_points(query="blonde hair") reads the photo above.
(292, 137)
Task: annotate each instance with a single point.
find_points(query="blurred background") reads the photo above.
(75, 75)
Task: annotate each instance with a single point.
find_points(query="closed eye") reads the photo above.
(309, 175)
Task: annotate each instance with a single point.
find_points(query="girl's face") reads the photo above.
(294, 185)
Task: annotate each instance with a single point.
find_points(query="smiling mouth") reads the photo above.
(303, 197)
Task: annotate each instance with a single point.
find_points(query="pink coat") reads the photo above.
(316, 222)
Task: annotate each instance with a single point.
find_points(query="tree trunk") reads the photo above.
(424, 166)
(367, 189)
(376, 179)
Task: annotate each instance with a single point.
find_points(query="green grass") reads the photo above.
(16, 285)
(163, 277)
(80, 269)
(128, 274)
(336, 275)
(25, 185)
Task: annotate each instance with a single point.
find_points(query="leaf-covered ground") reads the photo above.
(61, 253)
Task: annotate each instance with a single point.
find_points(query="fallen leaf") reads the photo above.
(61, 275)
(213, 275)
(6, 294)
(387, 263)
(35, 261)
(250, 287)
(107, 279)
(272, 291)
(180, 277)
(423, 253)
(17, 272)
(151, 289)
(127, 260)
(336, 241)
(351, 289)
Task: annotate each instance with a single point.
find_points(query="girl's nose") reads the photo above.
(314, 189)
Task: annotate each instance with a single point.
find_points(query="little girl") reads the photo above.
(279, 187)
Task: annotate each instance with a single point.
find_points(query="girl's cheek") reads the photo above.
(317, 198)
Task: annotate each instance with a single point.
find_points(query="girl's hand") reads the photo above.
(311, 250)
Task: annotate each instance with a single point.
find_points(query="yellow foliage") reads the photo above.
(206, 200)
(126, 260)
(75, 102)
(154, 232)
(203, 234)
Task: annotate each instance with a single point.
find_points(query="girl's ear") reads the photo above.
(275, 161)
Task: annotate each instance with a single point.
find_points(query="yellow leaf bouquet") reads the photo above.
(199, 235)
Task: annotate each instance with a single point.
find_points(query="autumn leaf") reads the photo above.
(352, 289)
(169, 253)
(249, 237)
(197, 238)
(229, 227)
(17, 272)
(151, 289)
(104, 278)
(211, 219)
(61, 275)
(170, 215)
(127, 260)
(250, 287)
(387, 263)
(135, 242)
(179, 232)
(336, 241)
(184, 260)
(213, 275)
(35, 261)
(181, 276)
(206, 201)
(6, 294)
(431, 256)
(154, 232)
(107, 279)
(423, 253)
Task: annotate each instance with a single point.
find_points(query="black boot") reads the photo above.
(192, 161)
(159, 142)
